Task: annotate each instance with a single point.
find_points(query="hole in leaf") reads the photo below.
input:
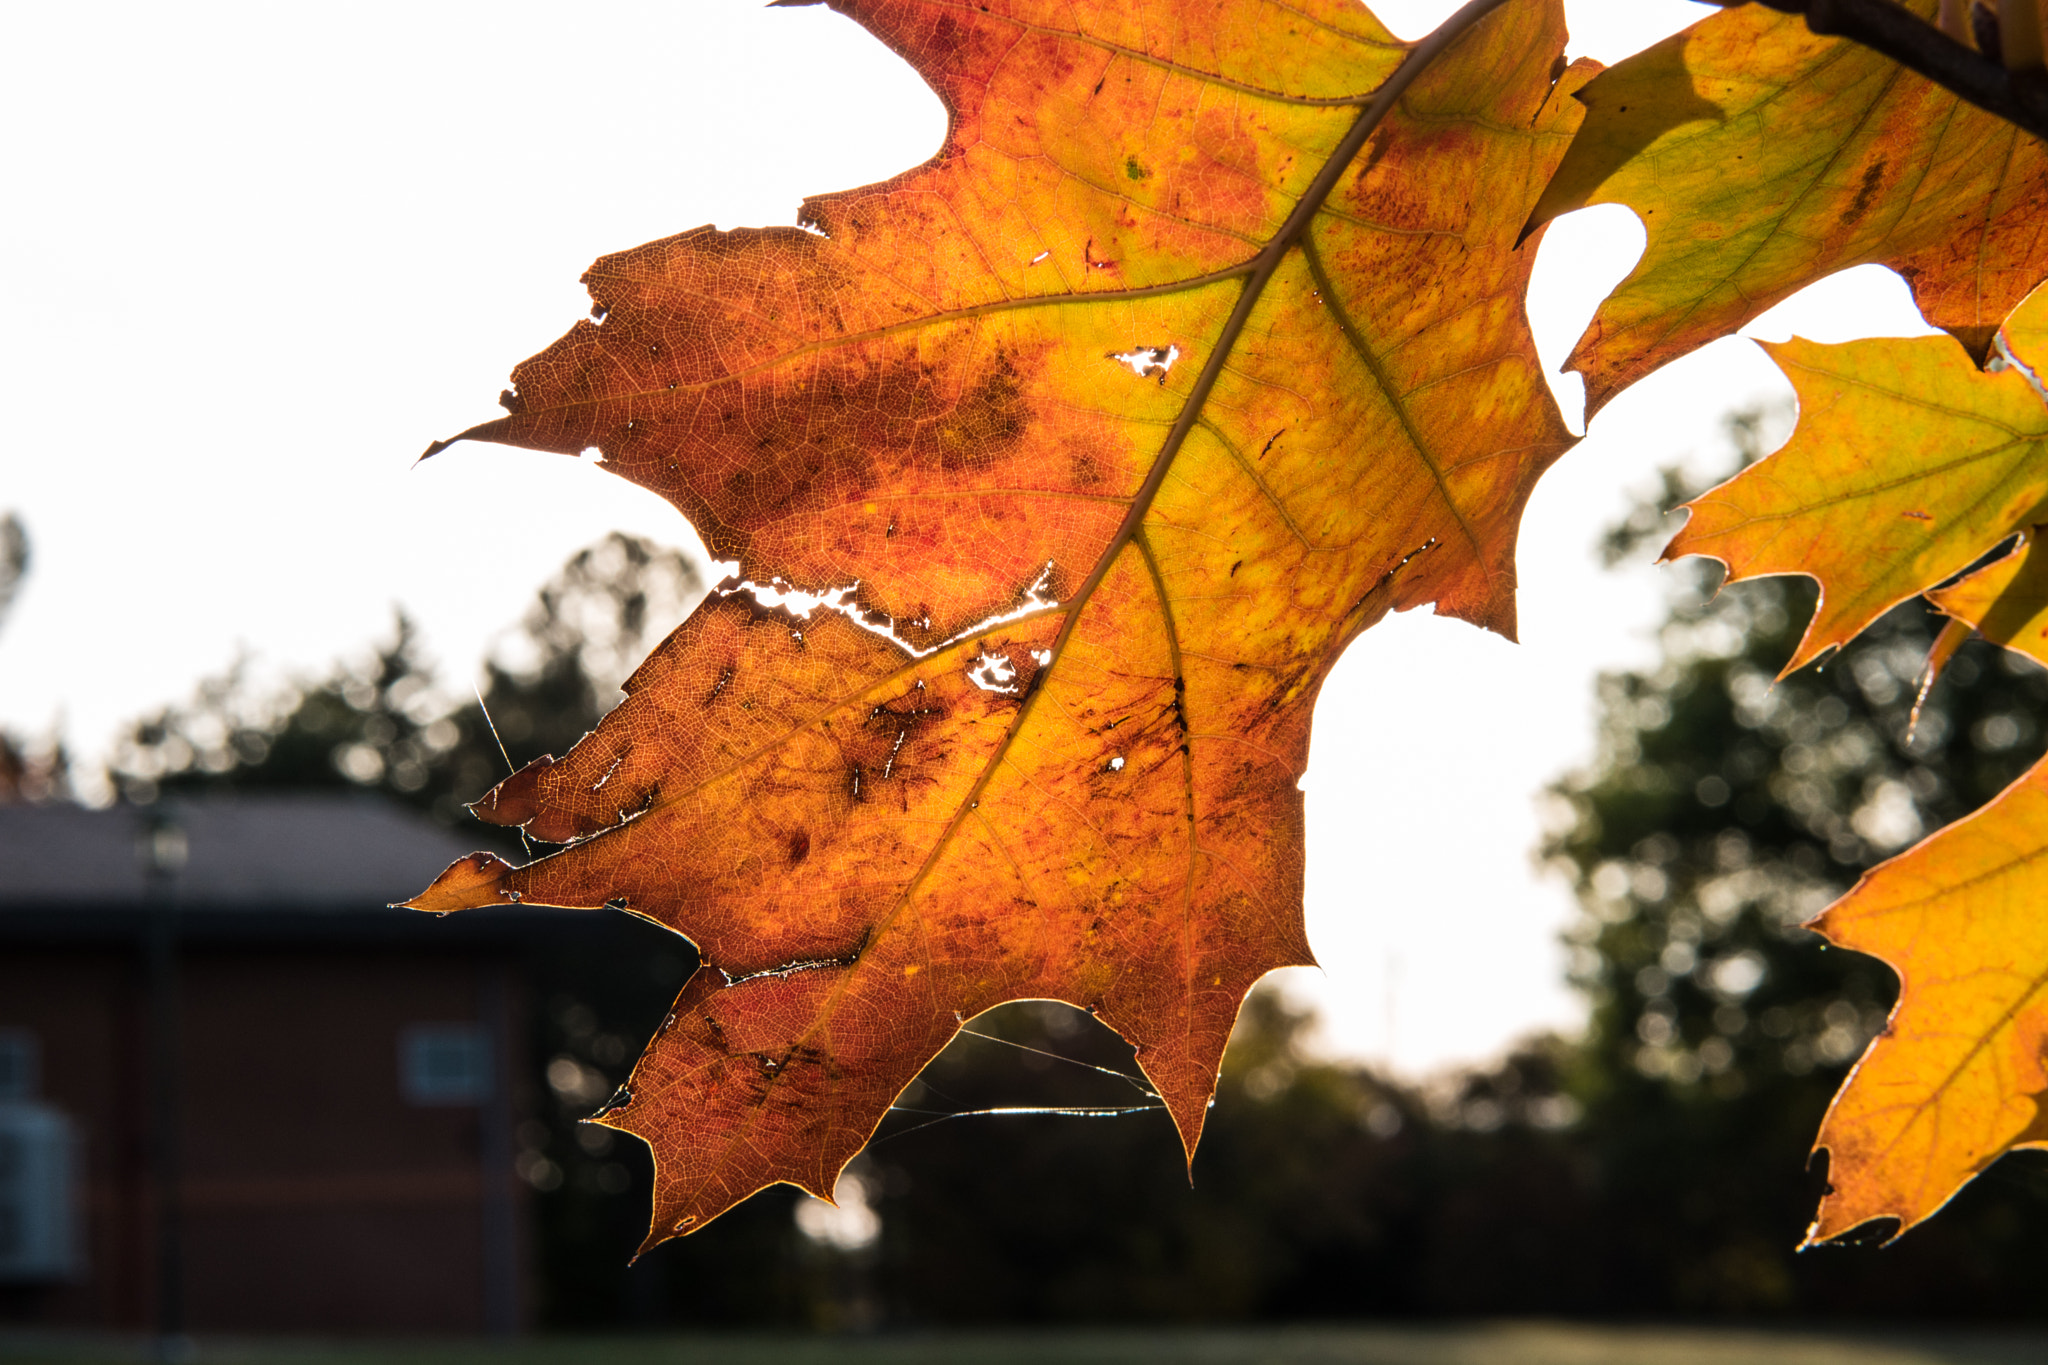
(780, 596)
(993, 673)
(1148, 362)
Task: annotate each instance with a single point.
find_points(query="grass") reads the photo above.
(1493, 1344)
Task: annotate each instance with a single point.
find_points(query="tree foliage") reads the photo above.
(387, 722)
(30, 769)
(1059, 470)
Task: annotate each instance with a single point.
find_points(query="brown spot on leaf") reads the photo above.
(1873, 181)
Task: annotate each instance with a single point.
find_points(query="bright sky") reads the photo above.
(258, 255)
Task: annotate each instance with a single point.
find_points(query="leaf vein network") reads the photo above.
(1177, 68)
(1154, 211)
(940, 318)
(1258, 271)
(1772, 228)
(1334, 305)
(1237, 457)
(1930, 1109)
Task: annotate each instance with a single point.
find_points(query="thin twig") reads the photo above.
(1123, 1076)
(510, 766)
(1069, 1111)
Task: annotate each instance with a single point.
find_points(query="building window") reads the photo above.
(18, 1078)
(39, 1238)
(444, 1064)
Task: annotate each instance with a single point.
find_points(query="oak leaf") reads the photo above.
(1906, 467)
(1957, 1078)
(1057, 473)
(1761, 156)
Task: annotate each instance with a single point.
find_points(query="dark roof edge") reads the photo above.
(511, 926)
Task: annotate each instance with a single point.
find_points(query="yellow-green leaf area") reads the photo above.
(1908, 464)
(1761, 157)
(2005, 601)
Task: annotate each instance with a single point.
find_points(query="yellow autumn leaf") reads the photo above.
(1958, 1078)
(1907, 466)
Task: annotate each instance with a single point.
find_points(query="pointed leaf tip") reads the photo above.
(469, 883)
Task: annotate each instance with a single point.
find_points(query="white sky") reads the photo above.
(258, 255)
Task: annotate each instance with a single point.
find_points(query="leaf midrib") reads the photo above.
(1261, 270)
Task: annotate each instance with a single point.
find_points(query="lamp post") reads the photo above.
(163, 851)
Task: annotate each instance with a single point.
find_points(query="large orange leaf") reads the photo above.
(1907, 466)
(1761, 156)
(1086, 447)
(1958, 1077)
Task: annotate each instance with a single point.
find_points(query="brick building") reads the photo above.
(240, 1093)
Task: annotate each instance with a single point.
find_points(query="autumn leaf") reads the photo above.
(1957, 1078)
(1761, 156)
(2006, 601)
(1057, 471)
(1906, 467)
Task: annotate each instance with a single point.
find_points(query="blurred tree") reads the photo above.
(384, 723)
(13, 561)
(30, 769)
(1723, 810)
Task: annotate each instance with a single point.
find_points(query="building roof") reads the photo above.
(306, 850)
(312, 851)
(258, 866)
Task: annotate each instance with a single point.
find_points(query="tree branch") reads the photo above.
(2018, 97)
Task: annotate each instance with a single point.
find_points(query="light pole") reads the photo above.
(163, 850)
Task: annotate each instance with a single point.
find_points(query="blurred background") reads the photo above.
(1568, 1050)
(1651, 1162)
